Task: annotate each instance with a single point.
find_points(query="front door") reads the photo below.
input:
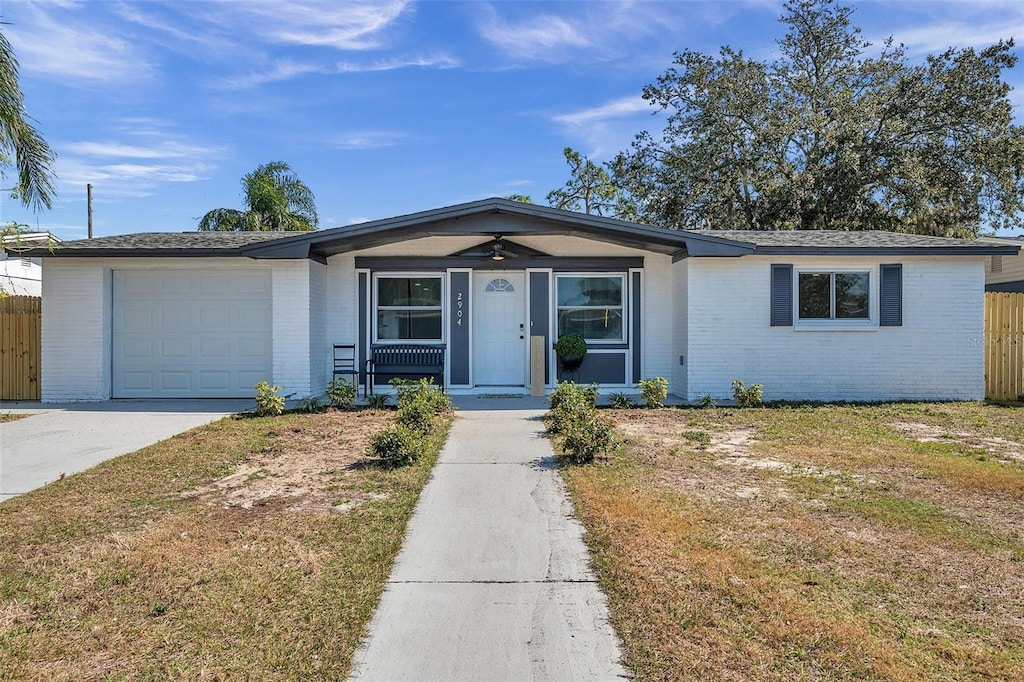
(499, 329)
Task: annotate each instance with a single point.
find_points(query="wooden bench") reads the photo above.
(406, 360)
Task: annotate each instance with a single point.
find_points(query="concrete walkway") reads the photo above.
(494, 581)
(62, 439)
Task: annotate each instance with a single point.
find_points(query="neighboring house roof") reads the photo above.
(477, 218)
(18, 242)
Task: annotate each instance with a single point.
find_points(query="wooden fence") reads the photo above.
(1004, 346)
(20, 345)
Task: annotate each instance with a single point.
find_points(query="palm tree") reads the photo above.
(275, 199)
(21, 145)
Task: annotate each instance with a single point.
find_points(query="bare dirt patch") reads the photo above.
(930, 433)
(306, 467)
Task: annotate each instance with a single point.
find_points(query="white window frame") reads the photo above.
(375, 307)
(833, 322)
(622, 277)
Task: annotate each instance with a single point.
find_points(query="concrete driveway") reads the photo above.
(64, 439)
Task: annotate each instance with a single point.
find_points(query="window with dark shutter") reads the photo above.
(890, 303)
(782, 296)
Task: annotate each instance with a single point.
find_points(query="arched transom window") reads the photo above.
(499, 284)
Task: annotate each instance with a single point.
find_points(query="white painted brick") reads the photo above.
(936, 354)
(658, 298)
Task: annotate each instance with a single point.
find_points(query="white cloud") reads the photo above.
(165, 150)
(342, 25)
(142, 156)
(607, 128)
(939, 37)
(71, 49)
(369, 139)
(286, 69)
(357, 219)
(440, 61)
(543, 38)
(619, 108)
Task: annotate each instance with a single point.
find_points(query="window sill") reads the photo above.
(836, 326)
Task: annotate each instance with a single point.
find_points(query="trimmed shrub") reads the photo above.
(654, 391)
(268, 402)
(341, 392)
(420, 403)
(571, 345)
(396, 446)
(747, 396)
(568, 401)
(586, 437)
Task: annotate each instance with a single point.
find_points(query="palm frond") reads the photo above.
(32, 157)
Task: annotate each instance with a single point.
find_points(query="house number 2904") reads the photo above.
(458, 313)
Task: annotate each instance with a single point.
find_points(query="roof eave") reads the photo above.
(973, 250)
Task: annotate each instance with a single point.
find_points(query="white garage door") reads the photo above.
(190, 333)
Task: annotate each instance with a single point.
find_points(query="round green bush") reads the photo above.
(570, 346)
(396, 446)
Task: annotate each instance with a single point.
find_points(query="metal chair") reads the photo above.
(345, 362)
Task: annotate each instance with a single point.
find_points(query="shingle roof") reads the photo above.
(171, 242)
(835, 239)
(861, 242)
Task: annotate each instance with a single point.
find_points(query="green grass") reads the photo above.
(813, 542)
(120, 573)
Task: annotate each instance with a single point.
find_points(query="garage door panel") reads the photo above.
(214, 381)
(215, 348)
(138, 381)
(175, 381)
(191, 333)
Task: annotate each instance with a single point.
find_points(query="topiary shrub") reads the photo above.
(570, 346)
(654, 391)
(268, 402)
(747, 396)
(396, 446)
(341, 392)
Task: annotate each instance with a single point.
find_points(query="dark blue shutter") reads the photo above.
(890, 298)
(782, 295)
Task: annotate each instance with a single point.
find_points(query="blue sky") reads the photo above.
(382, 108)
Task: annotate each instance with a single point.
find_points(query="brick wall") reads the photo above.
(936, 354)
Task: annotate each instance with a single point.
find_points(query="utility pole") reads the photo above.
(88, 201)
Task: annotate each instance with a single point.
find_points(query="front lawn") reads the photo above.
(813, 543)
(250, 548)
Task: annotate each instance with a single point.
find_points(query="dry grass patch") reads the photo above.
(252, 547)
(10, 416)
(812, 543)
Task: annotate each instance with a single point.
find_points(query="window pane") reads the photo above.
(592, 324)
(589, 291)
(412, 291)
(852, 295)
(420, 325)
(815, 296)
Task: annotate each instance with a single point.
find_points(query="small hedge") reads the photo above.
(585, 434)
(420, 409)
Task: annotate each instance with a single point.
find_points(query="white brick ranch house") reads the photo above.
(811, 315)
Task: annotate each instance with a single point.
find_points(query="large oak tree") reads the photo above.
(833, 134)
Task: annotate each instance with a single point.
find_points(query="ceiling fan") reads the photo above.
(498, 251)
